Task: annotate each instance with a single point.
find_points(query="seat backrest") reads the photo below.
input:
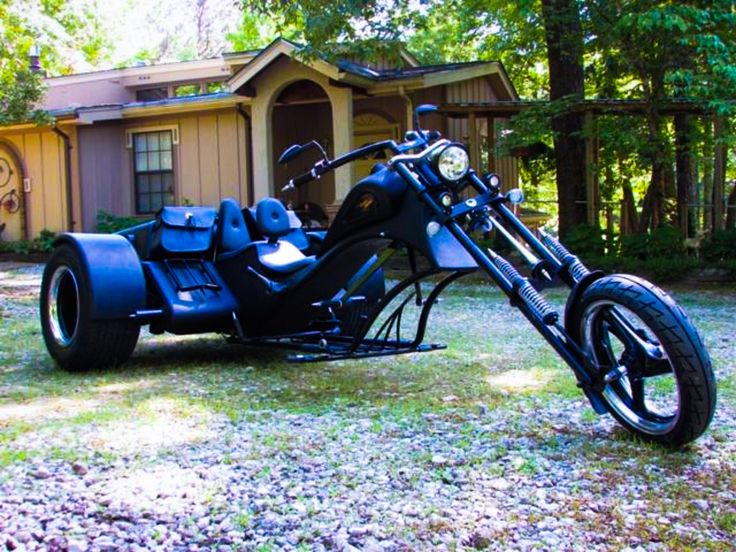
(232, 232)
(272, 218)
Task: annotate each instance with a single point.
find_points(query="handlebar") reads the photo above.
(324, 165)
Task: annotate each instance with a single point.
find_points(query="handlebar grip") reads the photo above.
(300, 180)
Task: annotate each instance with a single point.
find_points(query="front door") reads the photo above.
(369, 128)
(11, 188)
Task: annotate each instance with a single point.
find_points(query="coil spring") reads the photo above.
(527, 292)
(575, 267)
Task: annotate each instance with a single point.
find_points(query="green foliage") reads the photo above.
(585, 241)
(108, 223)
(721, 247)
(40, 244)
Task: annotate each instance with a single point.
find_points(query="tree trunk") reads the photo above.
(652, 211)
(684, 167)
(707, 175)
(629, 216)
(731, 209)
(719, 173)
(565, 57)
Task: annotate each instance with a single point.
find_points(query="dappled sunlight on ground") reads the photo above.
(515, 381)
(165, 487)
(158, 423)
(46, 409)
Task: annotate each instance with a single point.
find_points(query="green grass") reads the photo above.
(494, 358)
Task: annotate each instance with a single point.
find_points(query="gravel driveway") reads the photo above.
(198, 445)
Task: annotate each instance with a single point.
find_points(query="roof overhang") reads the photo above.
(491, 69)
(241, 80)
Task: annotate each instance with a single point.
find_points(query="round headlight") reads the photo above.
(453, 162)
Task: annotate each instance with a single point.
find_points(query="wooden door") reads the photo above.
(11, 189)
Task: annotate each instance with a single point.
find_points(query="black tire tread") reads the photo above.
(684, 347)
(98, 343)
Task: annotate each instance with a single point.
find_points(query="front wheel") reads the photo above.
(75, 340)
(656, 374)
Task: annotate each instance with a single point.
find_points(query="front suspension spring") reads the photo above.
(575, 267)
(526, 291)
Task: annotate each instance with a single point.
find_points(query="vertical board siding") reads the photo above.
(227, 138)
(209, 166)
(241, 149)
(33, 156)
(53, 204)
(187, 161)
(102, 173)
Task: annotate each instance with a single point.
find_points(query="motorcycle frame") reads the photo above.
(488, 203)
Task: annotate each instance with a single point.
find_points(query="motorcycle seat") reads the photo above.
(232, 231)
(278, 256)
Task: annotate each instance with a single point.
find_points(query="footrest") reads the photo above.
(363, 352)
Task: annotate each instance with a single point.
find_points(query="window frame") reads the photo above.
(131, 143)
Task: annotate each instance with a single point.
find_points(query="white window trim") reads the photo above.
(141, 130)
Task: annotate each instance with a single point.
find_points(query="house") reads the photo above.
(130, 140)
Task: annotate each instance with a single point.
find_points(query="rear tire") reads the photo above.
(75, 341)
(660, 382)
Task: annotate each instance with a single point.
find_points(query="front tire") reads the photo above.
(657, 376)
(74, 340)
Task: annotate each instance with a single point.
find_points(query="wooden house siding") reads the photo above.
(472, 91)
(42, 155)
(209, 162)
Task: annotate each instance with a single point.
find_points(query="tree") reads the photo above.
(64, 34)
(20, 88)
(690, 53)
(564, 39)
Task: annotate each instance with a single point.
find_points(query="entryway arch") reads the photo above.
(12, 208)
(302, 112)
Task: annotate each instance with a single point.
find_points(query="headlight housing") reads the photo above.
(452, 162)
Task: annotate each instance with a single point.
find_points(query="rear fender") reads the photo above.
(118, 286)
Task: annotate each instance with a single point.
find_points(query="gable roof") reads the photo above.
(372, 80)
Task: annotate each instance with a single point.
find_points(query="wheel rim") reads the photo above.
(62, 306)
(641, 385)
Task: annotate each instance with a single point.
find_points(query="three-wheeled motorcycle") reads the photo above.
(256, 276)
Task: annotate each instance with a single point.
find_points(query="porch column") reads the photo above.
(262, 144)
(342, 134)
(473, 142)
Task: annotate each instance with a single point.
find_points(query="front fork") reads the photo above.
(543, 256)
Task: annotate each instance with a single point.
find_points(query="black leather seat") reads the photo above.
(277, 256)
(232, 232)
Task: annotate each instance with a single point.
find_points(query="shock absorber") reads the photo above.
(570, 262)
(525, 290)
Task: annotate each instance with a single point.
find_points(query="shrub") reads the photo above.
(666, 241)
(108, 223)
(40, 244)
(721, 247)
(634, 246)
(585, 241)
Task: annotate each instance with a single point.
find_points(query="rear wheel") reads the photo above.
(74, 340)
(658, 380)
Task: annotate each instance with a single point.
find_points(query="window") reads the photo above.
(154, 170)
(151, 94)
(215, 87)
(187, 90)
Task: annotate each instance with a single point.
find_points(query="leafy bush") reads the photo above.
(585, 241)
(40, 244)
(634, 246)
(721, 247)
(666, 241)
(109, 223)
